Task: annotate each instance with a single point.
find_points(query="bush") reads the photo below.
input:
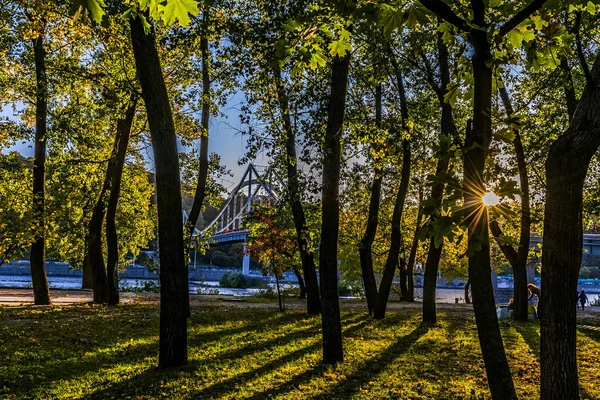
(232, 280)
(146, 286)
(347, 289)
(236, 254)
(584, 273)
(221, 259)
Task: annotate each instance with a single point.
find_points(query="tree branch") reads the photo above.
(444, 11)
(582, 61)
(521, 16)
(509, 252)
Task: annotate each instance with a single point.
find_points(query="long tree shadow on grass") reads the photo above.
(363, 373)
(77, 349)
(532, 339)
(149, 382)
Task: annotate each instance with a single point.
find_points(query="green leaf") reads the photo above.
(506, 135)
(317, 60)
(515, 38)
(178, 10)
(391, 18)
(151, 6)
(339, 48)
(95, 8)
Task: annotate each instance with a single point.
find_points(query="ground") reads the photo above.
(247, 349)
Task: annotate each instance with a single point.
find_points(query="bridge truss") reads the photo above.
(258, 186)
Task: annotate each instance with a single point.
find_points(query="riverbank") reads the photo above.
(24, 298)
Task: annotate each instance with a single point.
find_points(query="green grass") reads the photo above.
(237, 352)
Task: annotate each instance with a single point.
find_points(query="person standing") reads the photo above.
(583, 299)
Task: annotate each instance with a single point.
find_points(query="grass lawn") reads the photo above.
(238, 352)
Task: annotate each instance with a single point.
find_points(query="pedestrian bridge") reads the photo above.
(258, 186)
(591, 248)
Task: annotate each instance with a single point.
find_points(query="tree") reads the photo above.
(37, 259)
(566, 168)
(517, 258)
(272, 241)
(448, 134)
(391, 262)
(174, 274)
(477, 142)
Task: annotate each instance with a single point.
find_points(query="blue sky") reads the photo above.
(224, 139)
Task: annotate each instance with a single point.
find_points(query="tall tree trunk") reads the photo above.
(200, 193)
(95, 253)
(402, 267)
(518, 258)
(477, 144)
(205, 120)
(173, 269)
(119, 154)
(301, 284)
(365, 246)
(566, 168)
(410, 293)
(37, 260)
(391, 262)
(313, 301)
(87, 277)
(328, 260)
(101, 280)
(434, 253)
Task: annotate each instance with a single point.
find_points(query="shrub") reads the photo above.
(142, 286)
(232, 280)
(584, 273)
(221, 259)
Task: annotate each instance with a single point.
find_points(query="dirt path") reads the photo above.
(24, 297)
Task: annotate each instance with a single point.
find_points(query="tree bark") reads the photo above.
(313, 301)
(566, 168)
(328, 262)
(300, 283)
(568, 88)
(37, 260)
(95, 253)
(477, 144)
(391, 262)
(410, 293)
(87, 277)
(365, 246)
(402, 267)
(119, 154)
(200, 193)
(434, 253)
(173, 269)
(518, 258)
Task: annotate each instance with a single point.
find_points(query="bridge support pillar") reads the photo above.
(246, 262)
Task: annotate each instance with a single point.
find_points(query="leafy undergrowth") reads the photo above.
(99, 352)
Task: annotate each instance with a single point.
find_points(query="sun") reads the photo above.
(490, 199)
